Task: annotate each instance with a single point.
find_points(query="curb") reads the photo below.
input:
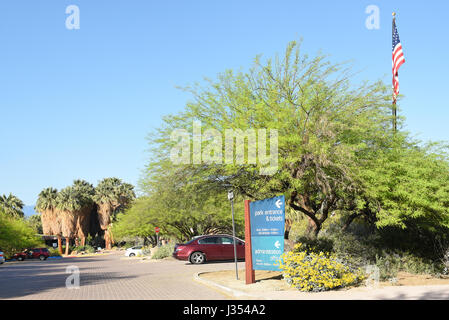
(227, 290)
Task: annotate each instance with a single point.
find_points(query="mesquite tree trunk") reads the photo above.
(288, 226)
(313, 228)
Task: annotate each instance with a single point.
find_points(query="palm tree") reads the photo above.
(12, 205)
(51, 219)
(85, 192)
(69, 203)
(111, 195)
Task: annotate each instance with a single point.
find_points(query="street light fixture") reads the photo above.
(231, 198)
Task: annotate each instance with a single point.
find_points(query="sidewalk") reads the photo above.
(271, 287)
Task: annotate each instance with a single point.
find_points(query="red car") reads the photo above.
(37, 253)
(207, 248)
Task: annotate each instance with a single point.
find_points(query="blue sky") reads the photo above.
(79, 103)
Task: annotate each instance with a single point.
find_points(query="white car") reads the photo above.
(2, 257)
(134, 251)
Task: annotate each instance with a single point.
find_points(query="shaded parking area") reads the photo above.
(106, 277)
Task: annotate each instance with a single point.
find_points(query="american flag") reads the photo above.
(398, 59)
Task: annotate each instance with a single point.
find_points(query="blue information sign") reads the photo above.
(266, 252)
(267, 218)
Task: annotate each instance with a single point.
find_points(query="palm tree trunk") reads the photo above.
(83, 241)
(59, 244)
(107, 239)
(67, 244)
(77, 242)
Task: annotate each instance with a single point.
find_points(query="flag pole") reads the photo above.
(394, 96)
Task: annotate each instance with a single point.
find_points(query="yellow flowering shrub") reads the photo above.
(310, 271)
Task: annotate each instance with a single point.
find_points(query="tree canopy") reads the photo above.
(336, 152)
(16, 234)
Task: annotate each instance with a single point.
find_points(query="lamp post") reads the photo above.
(231, 198)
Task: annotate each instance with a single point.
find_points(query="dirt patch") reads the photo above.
(269, 281)
(265, 280)
(408, 279)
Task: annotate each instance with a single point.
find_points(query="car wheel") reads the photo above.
(20, 258)
(132, 255)
(197, 258)
(41, 257)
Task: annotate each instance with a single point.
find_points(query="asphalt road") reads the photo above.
(107, 277)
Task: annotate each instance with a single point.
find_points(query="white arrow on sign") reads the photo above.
(278, 203)
(277, 244)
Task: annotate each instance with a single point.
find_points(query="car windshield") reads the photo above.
(138, 247)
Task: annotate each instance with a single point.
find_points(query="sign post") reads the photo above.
(249, 271)
(157, 235)
(264, 234)
(231, 198)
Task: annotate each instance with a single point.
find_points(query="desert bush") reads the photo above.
(128, 245)
(310, 245)
(54, 252)
(145, 252)
(359, 251)
(390, 264)
(377, 249)
(87, 248)
(310, 271)
(163, 251)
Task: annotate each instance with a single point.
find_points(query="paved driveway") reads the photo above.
(107, 277)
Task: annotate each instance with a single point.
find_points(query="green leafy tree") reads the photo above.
(179, 207)
(189, 209)
(407, 184)
(324, 123)
(12, 205)
(35, 222)
(336, 150)
(16, 235)
(137, 221)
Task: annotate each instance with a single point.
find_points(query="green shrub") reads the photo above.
(390, 264)
(87, 248)
(54, 252)
(311, 271)
(361, 250)
(309, 245)
(128, 245)
(163, 251)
